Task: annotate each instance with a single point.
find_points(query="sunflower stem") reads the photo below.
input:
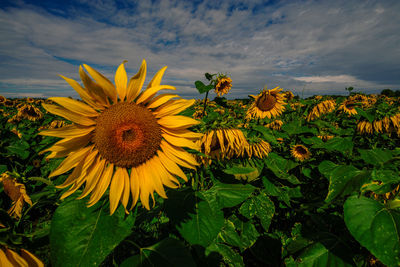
(205, 104)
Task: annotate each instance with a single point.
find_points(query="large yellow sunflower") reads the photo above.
(122, 138)
(9, 257)
(269, 103)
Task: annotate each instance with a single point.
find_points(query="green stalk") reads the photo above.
(205, 104)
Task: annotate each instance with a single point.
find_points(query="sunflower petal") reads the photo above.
(93, 88)
(102, 186)
(83, 93)
(160, 100)
(151, 91)
(125, 193)
(155, 178)
(75, 106)
(93, 178)
(180, 141)
(134, 187)
(166, 178)
(69, 115)
(31, 259)
(121, 80)
(145, 187)
(63, 147)
(70, 131)
(136, 83)
(156, 81)
(171, 166)
(71, 161)
(174, 107)
(177, 122)
(108, 87)
(15, 259)
(116, 189)
(184, 133)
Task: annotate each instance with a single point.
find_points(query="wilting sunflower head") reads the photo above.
(8, 103)
(300, 152)
(9, 257)
(2, 99)
(30, 100)
(348, 106)
(123, 138)
(223, 85)
(269, 103)
(30, 112)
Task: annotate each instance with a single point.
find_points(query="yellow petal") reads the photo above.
(75, 106)
(71, 161)
(31, 259)
(69, 131)
(83, 93)
(154, 176)
(136, 83)
(151, 91)
(166, 178)
(177, 122)
(93, 88)
(125, 193)
(69, 115)
(93, 177)
(183, 133)
(116, 189)
(146, 188)
(102, 186)
(107, 86)
(174, 107)
(171, 166)
(179, 141)
(4, 260)
(64, 147)
(179, 155)
(157, 78)
(15, 259)
(134, 187)
(121, 80)
(161, 99)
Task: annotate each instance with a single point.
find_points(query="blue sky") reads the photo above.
(308, 47)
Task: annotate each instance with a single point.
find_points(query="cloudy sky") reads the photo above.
(308, 47)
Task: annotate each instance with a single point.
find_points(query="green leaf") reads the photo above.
(245, 173)
(370, 117)
(267, 134)
(82, 236)
(340, 144)
(319, 254)
(230, 195)
(230, 257)
(343, 179)
(375, 156)
(202, 88)
(295, 128)
(281, 167)
(168, 252)
(195, 215)
(19, 148)
(375, 227)
(260, 206)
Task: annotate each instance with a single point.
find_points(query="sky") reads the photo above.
(307, 47)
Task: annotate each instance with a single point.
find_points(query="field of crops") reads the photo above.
(272, 180)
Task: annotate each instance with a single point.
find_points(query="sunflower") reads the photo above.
(133, 144)
(30, 100)
(288, 95)
(320, 109)
(9, 257)
(2, 99)
(16, 132)
(258, 149)
(300, 152)
(17, 194)
(269, 103)
(8, 103)
(222, 143)
(275, 125)
(365, 127)
(224, 84)
(30, 112)
(348, 106)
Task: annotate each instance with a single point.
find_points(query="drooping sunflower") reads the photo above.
(224, 84)
(258, 149)
(348, 106)
(269, 103)
(275, 125)
(16, 192)
(365, 127)
(320, 109)
(122, 138)
(30, 112)
(300, 152)
(2, 99)
(30, 100)
(9, 257)
(8, 103)
(222, 143)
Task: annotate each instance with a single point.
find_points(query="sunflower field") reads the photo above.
(126, 176)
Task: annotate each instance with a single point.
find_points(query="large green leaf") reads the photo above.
(281, 167)
(201, 87)
(246, 173)
(168, 252)
(343, 179)
(375, 156)
(260, 206)
(230, 195)
(340, 144)
(82, 236)
(375, 227)
(19, 148)
(231, 257)
(267, 134)
(195, 215)
(295, 127)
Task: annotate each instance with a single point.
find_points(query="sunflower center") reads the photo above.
(301, 150)
(266, 102)
(127, 134)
